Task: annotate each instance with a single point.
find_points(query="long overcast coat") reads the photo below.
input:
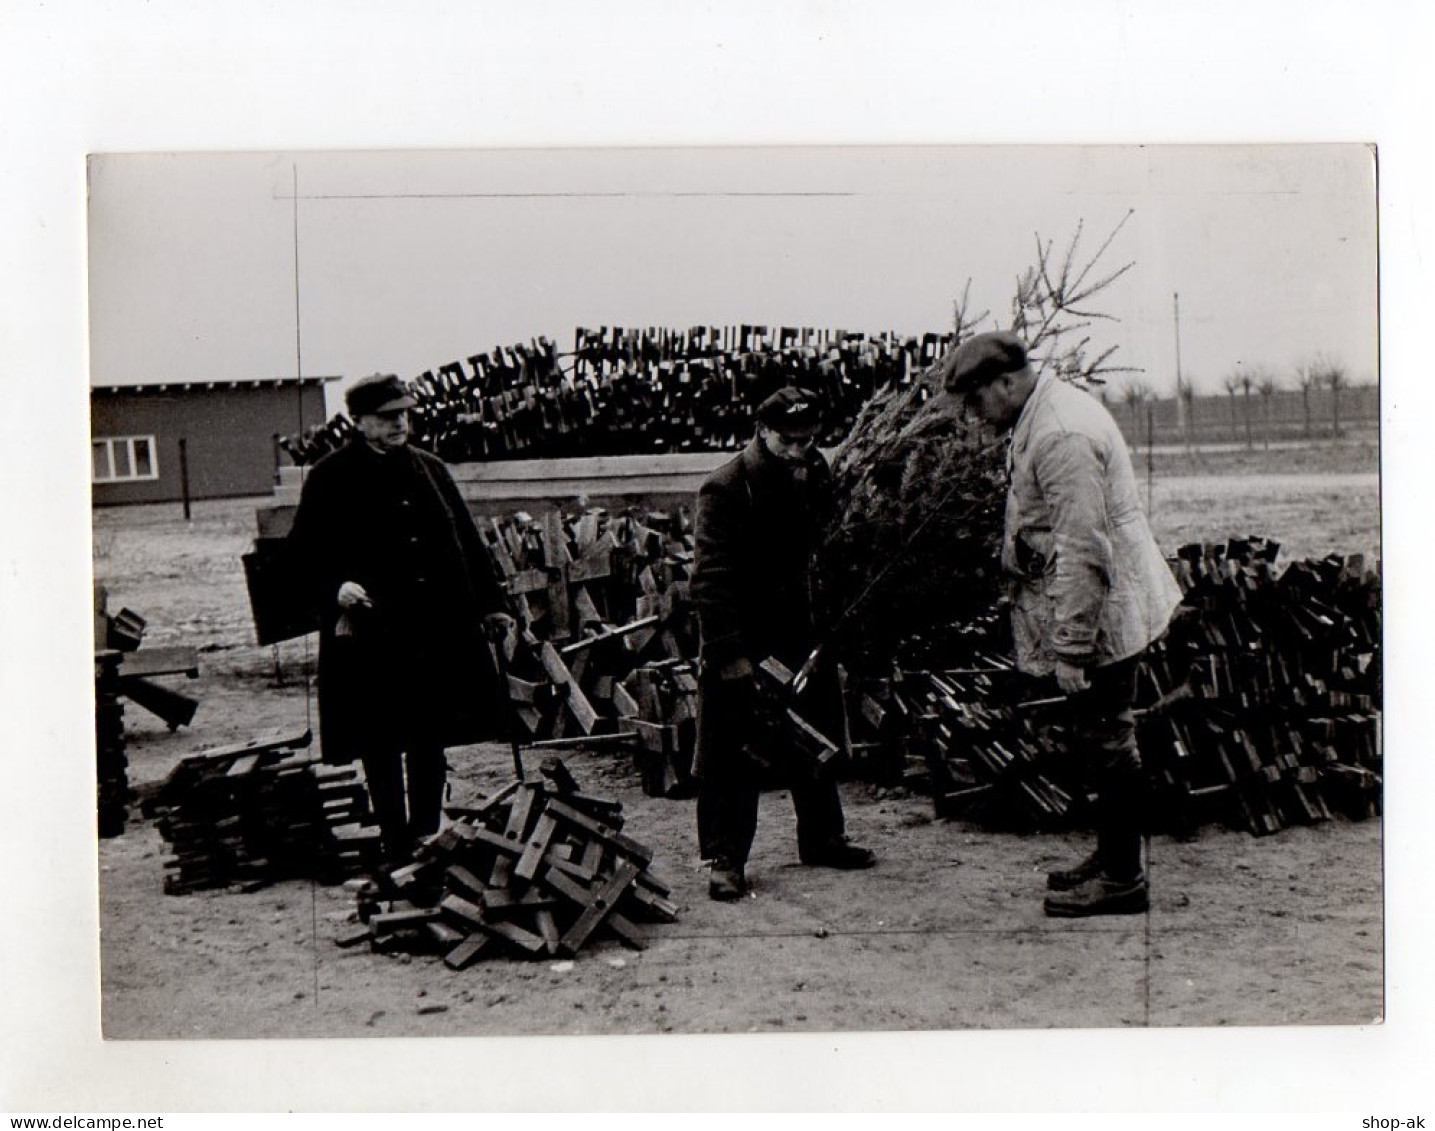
(756, 533)
(1088, 583)
(416, 666)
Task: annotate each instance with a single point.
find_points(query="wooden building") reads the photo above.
(218, 438)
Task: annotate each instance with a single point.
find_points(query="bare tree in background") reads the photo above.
(1136, 391)
(1266, 386)
(1332, 374)
(1186, 397)
(1310, 375)
(1232, 385)
(1248, 382)
(1306, 381)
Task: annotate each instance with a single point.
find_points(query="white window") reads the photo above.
(118, 458)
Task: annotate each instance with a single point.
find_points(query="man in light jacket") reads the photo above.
(1089, 588)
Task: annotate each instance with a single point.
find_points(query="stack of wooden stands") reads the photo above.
(639, 391)
(883, 748)
(576, 576)
(889, 718)
(538, 869)
(137, 668)
(111, 763)
(262, 811)
(1263, 703)
(660, 712)
(889, 747)
(988, 753)
(125, 671)
(1259, 709)
(598, 597)
(697, 389)
(318, 440)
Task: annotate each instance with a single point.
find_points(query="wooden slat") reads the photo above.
(178, 660)
(536, 847)
(600, 906)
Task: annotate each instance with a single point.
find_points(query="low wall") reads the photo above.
(505, 486)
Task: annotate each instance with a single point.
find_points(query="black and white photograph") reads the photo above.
(731, 591)
(795, 559)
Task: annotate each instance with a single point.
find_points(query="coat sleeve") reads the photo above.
(309, 547)
(1072, 478)
(716, 580)
(489, 595)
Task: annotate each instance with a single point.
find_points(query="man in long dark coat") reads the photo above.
(759, 519)
(393, 563)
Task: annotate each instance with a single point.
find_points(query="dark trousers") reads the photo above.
(1103, 736)
(727, 815)
(426, 770)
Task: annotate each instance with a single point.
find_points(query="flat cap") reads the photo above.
(982, 359)
(380, 392)
(791, 409)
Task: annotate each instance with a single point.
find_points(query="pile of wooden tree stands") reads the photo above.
(539, 869)
(576, 578)
(251, 814)
(659, 710)
(639, 391)
(111, 763)
(987, 754)
(609, 634)
(124, 670)
(137, 668)
(1260, 708)
(1265, 697)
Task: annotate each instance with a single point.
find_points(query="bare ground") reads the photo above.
(946, 933)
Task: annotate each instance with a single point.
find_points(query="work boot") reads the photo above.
(1099, 896)
(1064, 879)
(839, 852)
(726, 882)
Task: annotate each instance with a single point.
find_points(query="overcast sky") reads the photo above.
(406, 261)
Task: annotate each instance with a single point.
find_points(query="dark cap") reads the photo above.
(980, 360)
(381, 392)
(791, 409)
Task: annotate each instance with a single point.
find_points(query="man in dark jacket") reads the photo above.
(759, 520)
(393, 563)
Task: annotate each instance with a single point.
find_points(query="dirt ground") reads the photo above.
(945, 933)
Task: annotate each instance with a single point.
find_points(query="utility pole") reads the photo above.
(1181, 420)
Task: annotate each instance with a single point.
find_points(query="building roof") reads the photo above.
(145, 386)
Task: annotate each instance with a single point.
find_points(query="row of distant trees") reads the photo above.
(1319, 372)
